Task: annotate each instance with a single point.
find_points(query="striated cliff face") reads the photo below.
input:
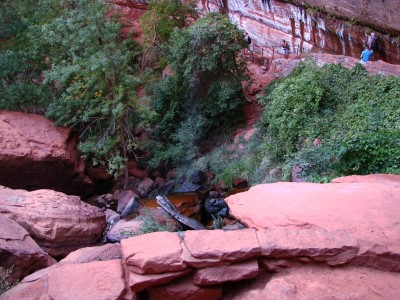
(306, 28)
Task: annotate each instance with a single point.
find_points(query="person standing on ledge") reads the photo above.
(285, 48)
(365, 55)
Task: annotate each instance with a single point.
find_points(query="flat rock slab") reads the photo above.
(184, 289)
(138, 282)
(153, 253)
(36, 154)
(19, 251)
(320, 282)
(222, 245)
(57, 222)
(369, 210)
(97, 253)
(337, 247)
(99, 280)
(226, 273)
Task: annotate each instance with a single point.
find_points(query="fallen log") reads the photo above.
(171, 209)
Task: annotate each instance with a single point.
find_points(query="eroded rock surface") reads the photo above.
(311, 282)
(35, 154)
(19, 252)
(367, 209)
(268, 22)
(57, 222)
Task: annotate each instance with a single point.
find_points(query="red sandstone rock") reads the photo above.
(226, 273)
(30, 288)
(367, 210)
(57, 222)
(95, 280)
(337, 247)
(321, 282)
(184, 289)
(139, 282)
(271, 21)
(153, 253)
(89, 254)
(19, 252)
(35, 154)
(222, 245)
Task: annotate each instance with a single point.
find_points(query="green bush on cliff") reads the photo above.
(204, 94)
(355, 115)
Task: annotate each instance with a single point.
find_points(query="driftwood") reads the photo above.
(170, 208)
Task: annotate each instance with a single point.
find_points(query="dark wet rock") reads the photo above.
(197, 177)
(216, 207)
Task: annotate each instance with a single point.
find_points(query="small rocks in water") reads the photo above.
(131, 207)
(124, 199)
(216, 207)
(166, 188)
(111, 216)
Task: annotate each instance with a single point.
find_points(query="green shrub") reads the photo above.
(150, 224)
(5, 283)
(354, 114)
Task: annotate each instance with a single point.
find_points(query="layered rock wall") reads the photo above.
(306, 27)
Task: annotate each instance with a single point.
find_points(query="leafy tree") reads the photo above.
(204, 94)
(163, 16)
(160, 20)
(23, 55)
(95, 70)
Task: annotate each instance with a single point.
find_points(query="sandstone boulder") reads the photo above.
(57, 222)
(35, 154)
(89, 254)
(368, 210)
(93, 280)
(19, 252)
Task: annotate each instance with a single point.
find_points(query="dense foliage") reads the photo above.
(204, 93)
(96, 70)
(68, 59)
(158, 23)
(355, 116)
(23, 55)
(163, 16)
